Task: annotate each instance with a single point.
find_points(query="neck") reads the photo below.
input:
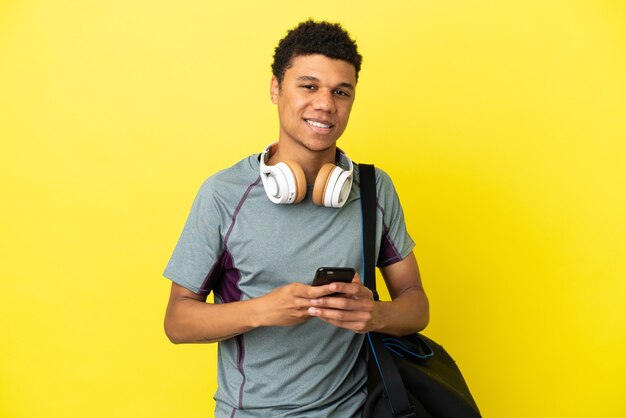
(310, 161)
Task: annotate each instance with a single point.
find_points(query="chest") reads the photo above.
(273, 245)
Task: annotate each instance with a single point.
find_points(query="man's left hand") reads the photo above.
(353, 309)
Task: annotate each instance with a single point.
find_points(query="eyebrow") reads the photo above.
(311, 78)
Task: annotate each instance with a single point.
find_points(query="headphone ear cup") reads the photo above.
(300, 179)
(321, 181)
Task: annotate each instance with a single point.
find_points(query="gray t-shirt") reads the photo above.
(240, 245)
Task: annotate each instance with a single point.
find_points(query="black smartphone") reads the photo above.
(326, 275)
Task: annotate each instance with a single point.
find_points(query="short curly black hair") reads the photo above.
(311, 37)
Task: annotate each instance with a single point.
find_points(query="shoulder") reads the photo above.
(224, 189)
(239, 175)
(383, 179)
(384, 184)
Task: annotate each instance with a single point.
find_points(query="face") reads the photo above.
(314, 101)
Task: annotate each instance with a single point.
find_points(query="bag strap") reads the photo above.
(367, 178)
(389, 374)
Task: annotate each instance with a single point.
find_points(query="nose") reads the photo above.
(324, 101)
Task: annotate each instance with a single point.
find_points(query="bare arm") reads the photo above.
(189, 319)
(408, 311)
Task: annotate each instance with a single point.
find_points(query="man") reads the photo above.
(289, 349)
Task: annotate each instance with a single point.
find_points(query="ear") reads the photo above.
(274, 90)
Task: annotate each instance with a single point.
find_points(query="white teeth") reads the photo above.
(317, 124)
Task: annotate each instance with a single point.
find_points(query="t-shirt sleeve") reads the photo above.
(198, 248)
(396, 243)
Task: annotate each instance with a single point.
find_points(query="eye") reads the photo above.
(340, 92)
(309, 87)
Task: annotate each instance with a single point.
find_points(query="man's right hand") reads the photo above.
(288, 305)
(189, 319)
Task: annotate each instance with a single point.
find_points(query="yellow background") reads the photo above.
(501, 123)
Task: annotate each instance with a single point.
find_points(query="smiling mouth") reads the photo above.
(317, 124)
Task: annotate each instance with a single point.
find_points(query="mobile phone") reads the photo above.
(326, 275)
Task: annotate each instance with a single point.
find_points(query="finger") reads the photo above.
(315, 292)
(339, 315)
(355, 326)
(350, 289)
(309, 292)
(343, 303)
(364, 291)
(354, 289)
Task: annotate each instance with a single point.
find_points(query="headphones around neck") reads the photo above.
(285, 182)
